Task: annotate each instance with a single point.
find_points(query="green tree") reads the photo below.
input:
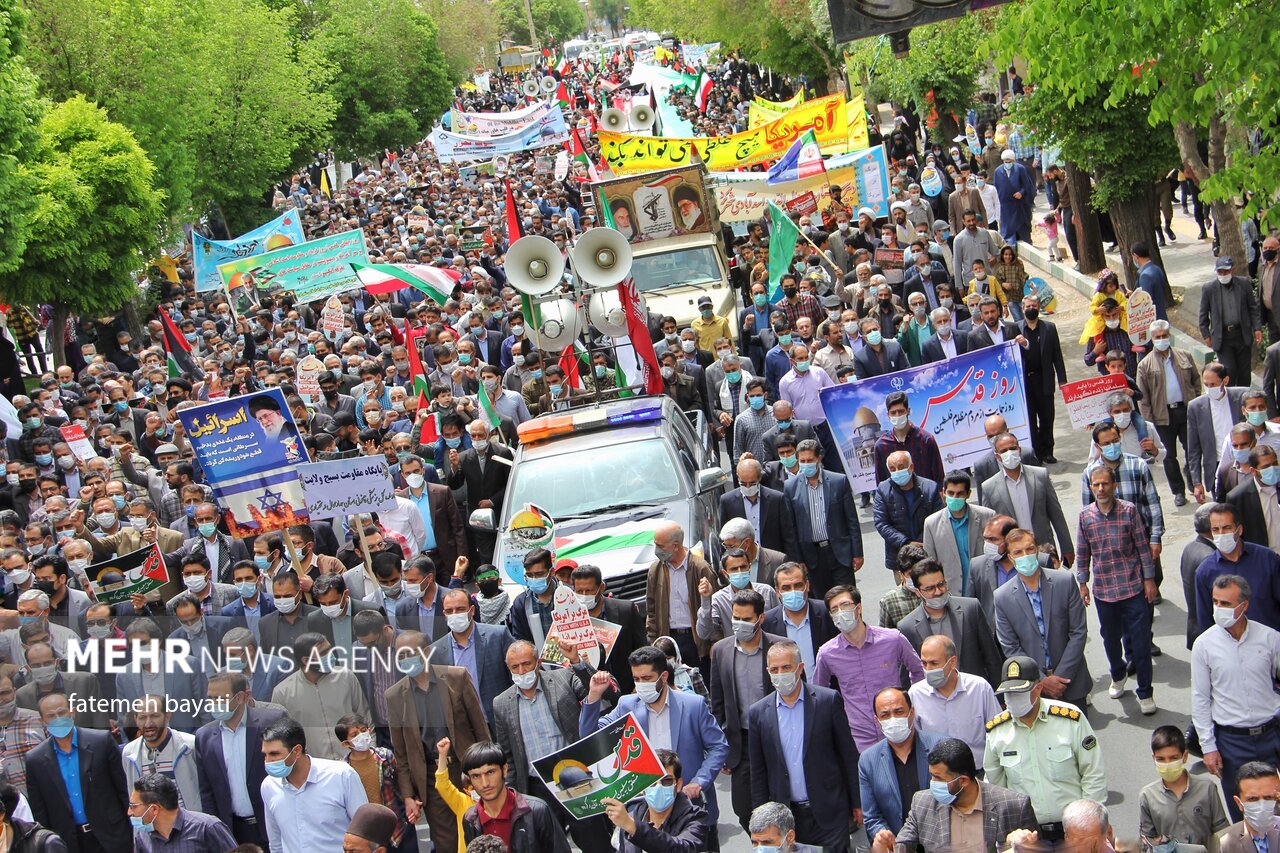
(19, 110)
(471, 33)
(96, 220)
(559, 20)
(390, 81)
(612, 12)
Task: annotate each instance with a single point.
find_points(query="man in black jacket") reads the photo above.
(533, 825)
(1042, 364)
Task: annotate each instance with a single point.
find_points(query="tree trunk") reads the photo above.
(1133, 219)
(57, 333)
(1225, 217)
(131, 320)
(1088, 237)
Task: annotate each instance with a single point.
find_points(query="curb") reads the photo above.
(1085, 286)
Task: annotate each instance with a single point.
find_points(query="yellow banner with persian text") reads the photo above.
(628, 153)
(781, 106)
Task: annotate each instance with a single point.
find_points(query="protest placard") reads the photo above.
(332, 318)
(345, 487)
(1142, 313)
(313, 270)
(1087, 399)
(139, 572)
(596, 653)
(804, 204)
(615, 762)
(75, 437)
(307, 379)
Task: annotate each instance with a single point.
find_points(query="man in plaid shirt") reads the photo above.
(1134, 478)
(1112, 539)
(795, 304)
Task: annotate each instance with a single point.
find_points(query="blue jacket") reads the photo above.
(235, 610)
(895, 524)
(842, 521)
(1152, 279)
(695, 735)
(776, 365)
(215, 790)
(882, 806)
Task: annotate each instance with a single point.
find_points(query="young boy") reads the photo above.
(377, 768)
(1117, 363)
(1178, 806)
(987, 285)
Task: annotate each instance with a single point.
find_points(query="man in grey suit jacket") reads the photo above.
(797, 427)
(988, 464)
(1204, 444)
(928, 823)
(941, 527)
(1042, 509)
(968, 626)
(1231, 319)
(1067, 674)
(833, 560)
(487, 661)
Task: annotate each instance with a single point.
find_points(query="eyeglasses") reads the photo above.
(667, 781)
(933, 590)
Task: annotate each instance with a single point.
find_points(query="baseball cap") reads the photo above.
(1018, 675)
(1224, 262)
(704, 301)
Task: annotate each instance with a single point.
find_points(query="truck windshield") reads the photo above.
(578, 483)
(696, 265)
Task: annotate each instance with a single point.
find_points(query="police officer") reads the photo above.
(1042, 748)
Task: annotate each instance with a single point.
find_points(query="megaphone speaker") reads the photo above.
(602, 257)
(530, 88)
(561, 324)
(548, 84)
(606, 313)
(642, 117)
(613, 119)
(534, 265)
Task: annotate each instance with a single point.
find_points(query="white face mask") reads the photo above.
(1225, 617)
(362, 742)
(526, 680)
(1224, 277)
(1225, 542)
(1019, 704)
(896, 729)
(1122, 419)
(1113, 324)
(1011, 458)
(458, 622)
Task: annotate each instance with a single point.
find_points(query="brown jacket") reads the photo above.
(129, 540)
(463, 716)
(657, 620)
(961, 200)
(1154, 404)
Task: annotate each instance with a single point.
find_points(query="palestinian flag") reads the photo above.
(181, 362)
(562, 95)
(388, 278)
(419, 383)
(578, 152)
(702, 91)
(515, 230)
(487, 410)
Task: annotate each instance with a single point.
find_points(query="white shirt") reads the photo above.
(406, 520)
(314, 817)
(1270, 437)
(233, 756)
(1232, 682)
(660, 726)
(1222, 420)
(962, 715)
(948, 344)
(991, 202)
(997, 334)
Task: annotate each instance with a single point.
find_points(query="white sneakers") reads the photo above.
(1116, 690)
(1147, 706)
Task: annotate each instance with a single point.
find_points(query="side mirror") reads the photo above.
(710, 478)
(483, 519)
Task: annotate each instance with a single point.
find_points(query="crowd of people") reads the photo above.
(344, 690)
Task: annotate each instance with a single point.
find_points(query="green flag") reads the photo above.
(783, 236)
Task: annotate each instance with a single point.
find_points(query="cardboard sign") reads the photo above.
(891, 262)
(143, 571)
(1142, 313)
(606, 634)
(1087, 399)
(79, 443)
(332, 318)
(307, 379)
(570, 620)
(615, 762)
(803, 204)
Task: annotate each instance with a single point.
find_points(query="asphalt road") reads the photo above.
(1123, 733)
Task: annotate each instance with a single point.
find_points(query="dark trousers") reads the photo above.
(248, 833)
(88, 843)
(1237, 357)
(830, 451)
(1237, 749)
(1171, 434)
(740, 785)
(1040, 413)
(827, 572)
(440, 818)
(689, 654)
(832, 836)
(1126, 631)
(590, 834)
(1069, 227)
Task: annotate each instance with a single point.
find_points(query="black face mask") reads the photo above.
(44, 586)
(489, 588)
(790, 292)
(1031, 313)
(331, 394)
(1270, 254)
(28, 486)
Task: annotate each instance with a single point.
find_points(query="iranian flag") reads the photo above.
(574, 354)
(487, 409)
(702, 91)
(646, 359)
(515, 230)
(387, 278)
(578, 152)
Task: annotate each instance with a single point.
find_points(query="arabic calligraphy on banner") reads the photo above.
(315, 269)
(243, 435)
(345, 487)
(544, 130)
(628, 153)
(744, 201)
(780, 106)
(855, 111)
(497, 124)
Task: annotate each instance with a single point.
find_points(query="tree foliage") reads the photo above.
(390, 81)
(19, 110)
(611, 12)
(468, 30)
(97, 213)
(553, 19)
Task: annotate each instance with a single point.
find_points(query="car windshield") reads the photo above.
(579, 483)
(685, 266)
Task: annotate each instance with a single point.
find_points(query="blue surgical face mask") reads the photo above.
(60, 726)
(756, 403)
(1112, 452)
(262, 562)
(735, 377)
(555, 389)
(741, 580)
(208, 528)
(1256, 418)
(942, 792)
(121, 405)
(660, 797)
(536, 585)
(535, 374)
(793, 600)
(900, 478)
(44, 459)
(783, 426)
(1270, 476)
(247, 589)
(119, 501)
(760, 300)
(453, 443)
(873, 338)
(808, 469)
(278, 769)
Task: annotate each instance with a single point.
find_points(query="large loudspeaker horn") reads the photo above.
(602, 257)
(642, 117)
(534, 265)
(548, 85)
(606, 313)
(530, 88)
(613, 119)
(561, 324)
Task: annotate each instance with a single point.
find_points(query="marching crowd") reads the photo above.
(342, 689)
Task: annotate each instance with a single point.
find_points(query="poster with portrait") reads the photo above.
(249, 449)
(657, 205)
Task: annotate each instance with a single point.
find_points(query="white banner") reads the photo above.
(550, 129)
(488, 125)
(345, 487)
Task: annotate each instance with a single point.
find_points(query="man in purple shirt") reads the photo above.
(864, 659)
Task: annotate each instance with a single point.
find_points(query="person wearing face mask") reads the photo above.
(891, 771)
(158, 744)
(699, 741)
(676, 384)
(664, 819)
(1055, 640)
(62, 802)
(952, 702)
(784, 421)
(1254, 489)
(1025, 493)
(878, 356)
(1233, 713)
(324, 794)
(959, 811)
(158, 809)
(197, 579)
(590, 589)
(67, 606)
(1256, 793)
(958, 617)
(431, 702)
(21, 731)
(203, 633)
(475, 646)
(483, 470)
(323, 688)
(1230, 320)
(715, 610)
(1037, 733)
(518, 334)
(901, 504)
(376, 766)
(1136, 484)
(1236, 554)
(1178, 808)
(215, 547)
(45, 676)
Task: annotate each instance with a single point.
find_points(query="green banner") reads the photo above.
(312, 270)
